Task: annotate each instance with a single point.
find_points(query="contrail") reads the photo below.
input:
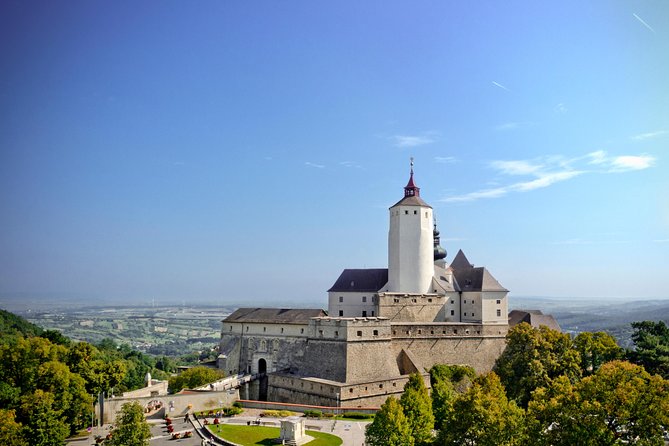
(500, 86)
(643, 23)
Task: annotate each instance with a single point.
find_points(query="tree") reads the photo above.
(651, 341)
(390, 427)
(483, 416)
(443, 396)
(620, 404)
(44, 424)
(194, 377)
(532, 358)
(10, 429)
(417, 407)
(595, 349)
(131, 427)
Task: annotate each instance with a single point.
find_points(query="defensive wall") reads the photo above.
(173, 405)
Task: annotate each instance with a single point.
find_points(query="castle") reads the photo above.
(381, 324)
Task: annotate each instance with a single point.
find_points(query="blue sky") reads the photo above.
(248, 151)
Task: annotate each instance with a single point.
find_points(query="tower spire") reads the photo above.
(411, 190)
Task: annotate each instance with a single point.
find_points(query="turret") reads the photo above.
(410, 242)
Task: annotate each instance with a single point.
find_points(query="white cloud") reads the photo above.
(630, 162)
(310, 164)
(497, 84)
(547, 171)
(560, 108)
(445, 159)
(649, 135)
(412, 140)
(518, 167)
(352, 164)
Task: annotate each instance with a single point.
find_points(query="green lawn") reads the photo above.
(261, 435)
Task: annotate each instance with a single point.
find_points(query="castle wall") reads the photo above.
(412, 307)
(471, 344)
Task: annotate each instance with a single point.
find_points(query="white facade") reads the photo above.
(352, 304)
(410, 249)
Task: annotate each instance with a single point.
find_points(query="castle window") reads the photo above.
(420, 331)
(473, 301)
(394, 332)
(336, 334)
(281, 329)
(466, 331)
(359, 333)
(364, 313)
(301, 330)
(430, 300)
(499, 313)
(452, 302)
(380, 386)
(247, 328)
(465, 301)
(364, 298)
(341, 299)
(465, 314)
(376, 332)
(320, 332)
(473, 315)
(264, 329)
(413, 300)
(426, 215)
(455, 331)
(443, 332)
(341, 313)
(396, 300)
(230, 327)
(452, 312)
(431, 331)
(350, 390)
(394, 384)
(372, 312)
(415, 212)
(499, 301)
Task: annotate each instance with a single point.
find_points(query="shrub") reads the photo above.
(313, 413)
(237, 404)
(358, 415)
(277, 413)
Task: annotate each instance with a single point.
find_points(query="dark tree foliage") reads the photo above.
(651, 342)
(12, 325)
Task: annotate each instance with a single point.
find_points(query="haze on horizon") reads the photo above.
(250, 151)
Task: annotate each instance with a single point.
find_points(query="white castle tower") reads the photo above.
(410, 243)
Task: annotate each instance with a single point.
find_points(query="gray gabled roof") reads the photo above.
(470, 278)
(412, 200)
(275, 315)
(533, 317)
(360, 280)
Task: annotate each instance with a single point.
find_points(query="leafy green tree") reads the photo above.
(10, 430)
(390, 427)
(56, 337)
(44, 424)
(595, 349)
(532, 358)
(417, 407)
(194, 377)
(13, 326)
(443, 396)
(484, 416)
(131, 427)
(651, 341)
(620, 404)
(460, 376)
